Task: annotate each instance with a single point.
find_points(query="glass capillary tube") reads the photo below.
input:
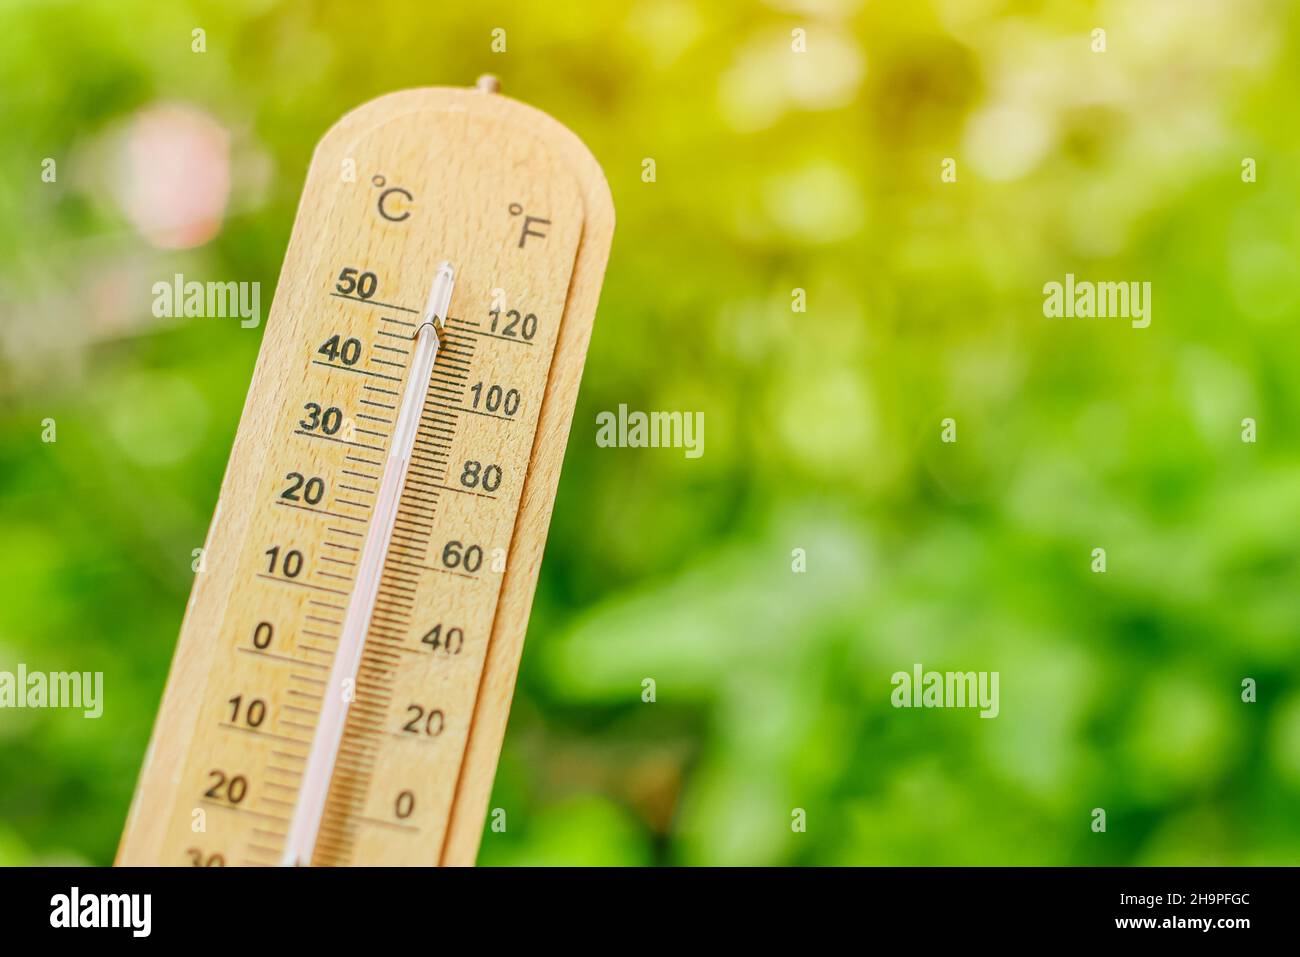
(319, 769)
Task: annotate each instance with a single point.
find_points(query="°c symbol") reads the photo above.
(529, 222)
(388, 207)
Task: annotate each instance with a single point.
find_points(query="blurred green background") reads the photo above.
(776, 170)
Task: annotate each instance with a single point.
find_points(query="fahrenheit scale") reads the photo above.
(341, 685)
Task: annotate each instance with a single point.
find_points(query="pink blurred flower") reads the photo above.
(173, 177)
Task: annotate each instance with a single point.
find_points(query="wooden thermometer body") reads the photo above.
(521, 209)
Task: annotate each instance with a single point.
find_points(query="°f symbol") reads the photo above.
(529, 223)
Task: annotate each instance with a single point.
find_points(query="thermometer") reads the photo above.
(341, 685)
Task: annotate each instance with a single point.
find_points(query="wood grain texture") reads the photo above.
(474, 165)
